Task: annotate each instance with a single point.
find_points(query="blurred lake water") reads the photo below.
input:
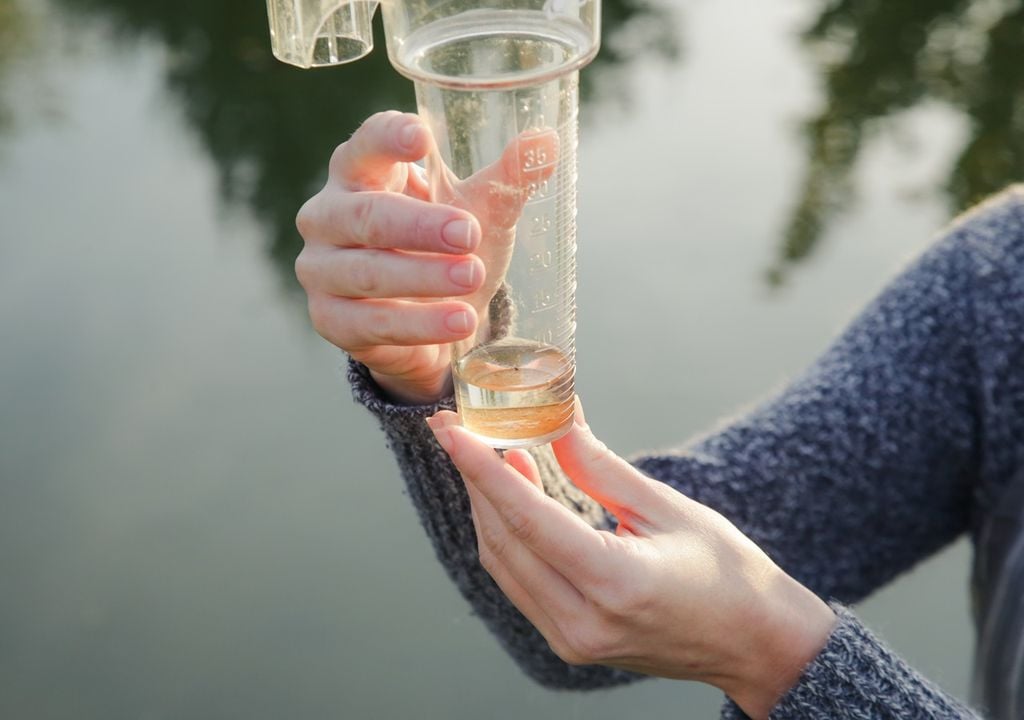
(196, 521)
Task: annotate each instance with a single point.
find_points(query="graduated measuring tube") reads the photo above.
(498, 88)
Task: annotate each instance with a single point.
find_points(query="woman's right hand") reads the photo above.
(393, 278)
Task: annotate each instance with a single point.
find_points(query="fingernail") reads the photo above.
(407, 135)
(458, 321)
(463, 273)
(579, 418)
(444, 438)
(458, 234)
(432, 422)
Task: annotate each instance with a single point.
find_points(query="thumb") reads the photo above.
(497, 193)
(640, 504)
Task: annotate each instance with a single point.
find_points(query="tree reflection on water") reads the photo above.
(271, 128)
(21, 42)
(12, 21)
(879, 58)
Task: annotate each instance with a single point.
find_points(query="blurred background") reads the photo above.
(195, 519)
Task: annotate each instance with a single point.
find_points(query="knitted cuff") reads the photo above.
(366, 392)
(856, 676)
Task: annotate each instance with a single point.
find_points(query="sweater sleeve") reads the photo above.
(866, 464)
(855, 676)
(873, 458)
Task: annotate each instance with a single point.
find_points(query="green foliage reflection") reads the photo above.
(879, 58)
(19, 34)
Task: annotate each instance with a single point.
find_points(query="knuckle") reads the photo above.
(565, 653)
(363, 275)
(425, 230)
(596, 453)
(305, 271)
(371, 128)
(617, 600)
(306, 218)
(487, 560)
(520, 524)
(337, 163)
(320, 314)
(383, 326)
(628, 596)
(380, 117)
(364, 217)
(394, 120)
(347, 156)
(494, 544)
(626, 585)
(588, 641)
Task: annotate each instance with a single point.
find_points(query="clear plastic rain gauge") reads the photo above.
(497, 85)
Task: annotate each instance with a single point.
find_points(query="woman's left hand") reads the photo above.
(676, 591)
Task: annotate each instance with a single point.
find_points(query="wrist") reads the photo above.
(404, 392)
(787, 626)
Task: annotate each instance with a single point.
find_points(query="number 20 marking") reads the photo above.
(539, 262)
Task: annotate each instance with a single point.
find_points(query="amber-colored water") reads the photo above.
(515, 394)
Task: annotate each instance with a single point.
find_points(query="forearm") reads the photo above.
(868, 462)
(875, 457)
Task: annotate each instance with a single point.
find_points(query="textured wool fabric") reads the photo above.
(856, 677)
(882, 452)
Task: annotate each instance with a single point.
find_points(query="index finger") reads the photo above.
(368, 159)
(555, 534)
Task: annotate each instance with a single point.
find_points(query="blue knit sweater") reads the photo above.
(881, 453)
